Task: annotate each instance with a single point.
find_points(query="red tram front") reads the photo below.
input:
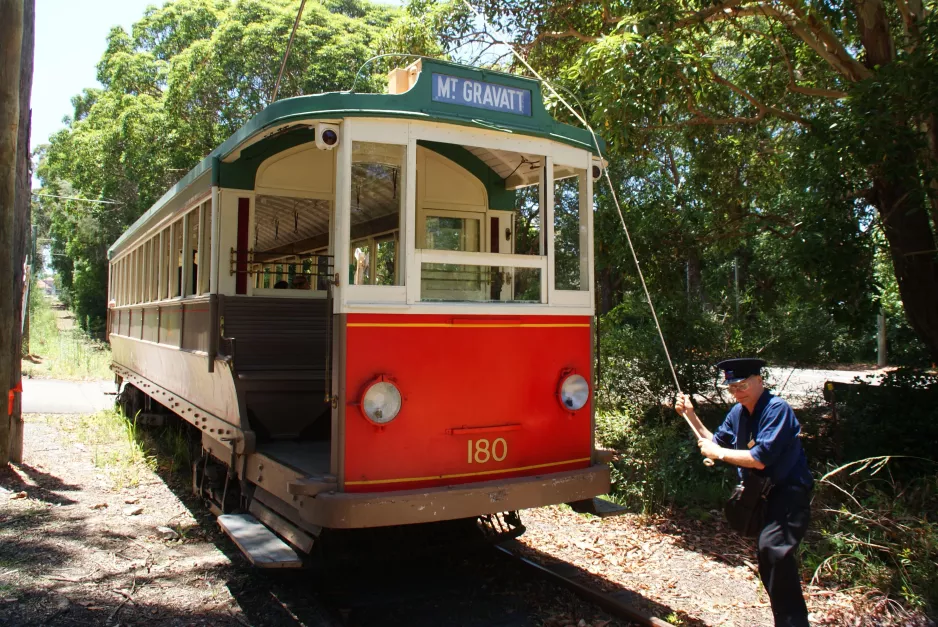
(376, 308)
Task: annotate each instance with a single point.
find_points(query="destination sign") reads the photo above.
(482, 95)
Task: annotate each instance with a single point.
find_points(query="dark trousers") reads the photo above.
(787, 515)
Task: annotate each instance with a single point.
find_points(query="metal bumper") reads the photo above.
(342, 510)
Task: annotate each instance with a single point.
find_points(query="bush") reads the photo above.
(899, 416)
(659, 464)
(876, 531)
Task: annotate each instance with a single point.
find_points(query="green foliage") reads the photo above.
(898, 416)
(658, 463)
(877, 531)
(188, 75)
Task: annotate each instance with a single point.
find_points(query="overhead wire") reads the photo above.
(615, 198)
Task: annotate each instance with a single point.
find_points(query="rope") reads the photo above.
(612, 190)
(615, 198)
(286, 53)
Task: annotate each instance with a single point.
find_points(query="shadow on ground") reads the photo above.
(42, 537)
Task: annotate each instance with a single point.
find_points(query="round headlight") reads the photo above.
(574, 392)
(381, 402)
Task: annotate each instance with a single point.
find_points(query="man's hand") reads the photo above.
(709, 449)
(684, 406)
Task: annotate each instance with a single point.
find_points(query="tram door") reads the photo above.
(501, 236)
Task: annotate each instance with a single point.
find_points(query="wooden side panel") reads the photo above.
(136, 320)
(198, 326)
(277, 333)
(151, 324)
(182, 372)
(170, 324)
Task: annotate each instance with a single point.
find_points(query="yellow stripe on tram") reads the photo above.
(468, 474)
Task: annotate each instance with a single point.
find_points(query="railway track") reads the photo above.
(493, 586)
(618, 605)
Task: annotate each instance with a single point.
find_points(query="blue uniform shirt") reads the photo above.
(773, 430)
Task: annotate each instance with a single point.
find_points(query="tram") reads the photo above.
(376, 309)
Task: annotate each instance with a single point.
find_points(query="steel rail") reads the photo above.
(608, 602)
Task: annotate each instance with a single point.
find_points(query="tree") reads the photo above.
(11, 34)
(857, 80)
(186, 77)
(21, 225)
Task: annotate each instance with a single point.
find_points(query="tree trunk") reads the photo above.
(22, 244)
(912, 248)
(11, 34)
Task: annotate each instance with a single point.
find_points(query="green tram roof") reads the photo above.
(417, 103)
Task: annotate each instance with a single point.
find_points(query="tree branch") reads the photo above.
(793, 85)
(762, 107)
(803, 25)
(570, 32)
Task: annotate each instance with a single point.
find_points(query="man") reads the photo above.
(760, 435)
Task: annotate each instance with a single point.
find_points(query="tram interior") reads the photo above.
(469, 200)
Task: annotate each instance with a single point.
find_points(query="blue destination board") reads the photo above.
(482, 95)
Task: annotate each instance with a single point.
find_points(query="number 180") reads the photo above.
(482, 451)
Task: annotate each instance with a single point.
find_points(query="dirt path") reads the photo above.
(76, 548)
(76, 551)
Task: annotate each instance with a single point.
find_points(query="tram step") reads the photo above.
(284, 528)
(597, 507)
(261, 545)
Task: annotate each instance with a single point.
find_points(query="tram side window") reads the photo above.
(204, 259)
(570, 234)
(377, 182)
(291, 243)
(163, 239)
(154, 268)
(528, 232)
(140, 283)
(192, 253)
(175, 274)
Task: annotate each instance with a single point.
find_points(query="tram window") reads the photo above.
(528, 232)
(175, 275)
(192, 254)
(570, 234)
(164, 265)
(377, 182)
(141, 269)
(154, 268)
(204, 259)
(451, 233)
(144, 278)
(291, 239)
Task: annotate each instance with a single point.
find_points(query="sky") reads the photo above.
(70, 39)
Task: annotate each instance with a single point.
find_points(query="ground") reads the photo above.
(89, 535)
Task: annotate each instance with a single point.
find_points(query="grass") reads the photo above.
(119, 450)
(61, 353)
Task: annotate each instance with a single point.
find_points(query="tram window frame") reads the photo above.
(154, 268)
(145, 269)
(205, 247)
(378, 146)
(268, 274)
(138, 285)
(579, 239)
(582, 297)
